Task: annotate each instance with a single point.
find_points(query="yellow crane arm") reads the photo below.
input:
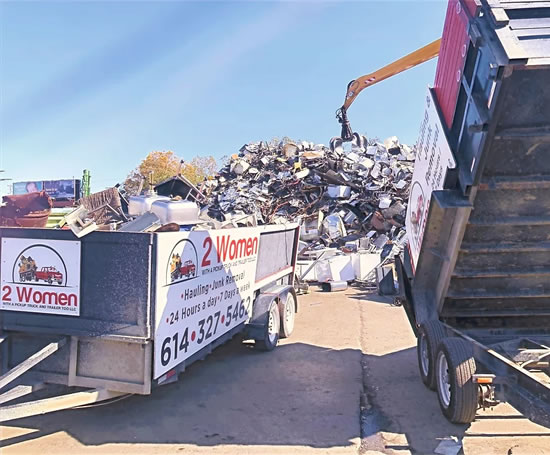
(404, 63)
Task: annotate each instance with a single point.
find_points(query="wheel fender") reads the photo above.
(260, 316)
(284, 293)
(260, 310)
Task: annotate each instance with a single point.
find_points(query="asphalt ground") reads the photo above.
(345, 382)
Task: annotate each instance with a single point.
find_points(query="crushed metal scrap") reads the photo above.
(352, 191)
(348, 198)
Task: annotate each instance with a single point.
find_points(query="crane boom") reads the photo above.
(404, 63)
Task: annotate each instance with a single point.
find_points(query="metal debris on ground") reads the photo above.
(104, 207)
(80, 222)
(449, 446)
(332, 286)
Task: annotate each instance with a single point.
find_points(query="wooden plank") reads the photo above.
(512, 221)
(524, 4)
(522, 247)
(538, 23)
(515, 183)
(20, 391)
(71, 400)
(486, 313)
(499, 16)
(34, 359)
(510, 273)
(474, 294)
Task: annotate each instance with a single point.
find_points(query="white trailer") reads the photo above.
(133, 310)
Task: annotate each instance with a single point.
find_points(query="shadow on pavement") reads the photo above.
(298, 394)
(361, 292)
(388, 300)
(401, 404)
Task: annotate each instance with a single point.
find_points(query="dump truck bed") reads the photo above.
(478, 265)
(487, 236)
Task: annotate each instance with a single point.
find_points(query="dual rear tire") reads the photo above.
(456, 390)
(430, 335)
(280, 323)
(447, 365)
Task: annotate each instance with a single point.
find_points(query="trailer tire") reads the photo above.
(456, 391)
(430, 334)
(271, 331)
(287, 309)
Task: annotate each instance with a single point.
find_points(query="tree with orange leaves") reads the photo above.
(166, 164)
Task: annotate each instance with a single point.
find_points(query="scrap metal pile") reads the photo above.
(349, 198)
(339, 196)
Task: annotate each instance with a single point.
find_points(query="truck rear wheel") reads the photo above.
(456, 391)
(430, 335)
(271, 333)
(287, 309)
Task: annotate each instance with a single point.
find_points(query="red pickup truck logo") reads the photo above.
(49, 274)
(28, 271)
(416, 217)
(179, 270)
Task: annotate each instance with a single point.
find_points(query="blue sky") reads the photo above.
(98, 85)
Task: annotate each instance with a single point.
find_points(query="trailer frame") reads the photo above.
(107, 352)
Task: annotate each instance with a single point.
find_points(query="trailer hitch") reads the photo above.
(486, 398)
(488, 386)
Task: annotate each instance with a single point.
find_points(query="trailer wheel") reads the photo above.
(430, 335)
(288, 315)
(271, 334)
(457, 393)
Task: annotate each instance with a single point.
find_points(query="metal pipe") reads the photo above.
(332, 286)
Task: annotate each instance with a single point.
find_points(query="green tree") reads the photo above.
(166, 164)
